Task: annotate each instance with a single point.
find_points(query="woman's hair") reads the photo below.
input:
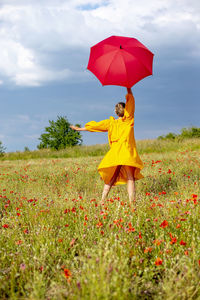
(119, 109)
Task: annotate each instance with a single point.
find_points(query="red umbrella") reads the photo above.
(120, 61)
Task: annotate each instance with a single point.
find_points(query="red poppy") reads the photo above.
(99, 224)
(164, 224)
(18, 242)
(5, 226)
(158, 261)
(130, 227)
(173, 240)
(146, 250)
(67, 273)
(182, 243)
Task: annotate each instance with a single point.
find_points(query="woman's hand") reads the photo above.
(77, 128)
(74, 127)
(129, 91)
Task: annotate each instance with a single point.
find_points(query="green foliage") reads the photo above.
(59, 135)
(169, 136)
(26, 149)
(192, 132)
(186, 133)
(2, 149)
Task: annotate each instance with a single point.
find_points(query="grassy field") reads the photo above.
(143, 146)
(56, 242)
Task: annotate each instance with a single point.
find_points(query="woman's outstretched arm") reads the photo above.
(78, 128)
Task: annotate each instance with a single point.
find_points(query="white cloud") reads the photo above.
(35, 34)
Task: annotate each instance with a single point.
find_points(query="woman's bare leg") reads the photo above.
(106, 190)
(131, 184)
(107, 187)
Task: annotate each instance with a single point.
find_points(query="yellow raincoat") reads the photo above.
(122, 144)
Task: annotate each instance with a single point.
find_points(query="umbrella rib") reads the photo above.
(124, 65)
(109, 66)
(139, 58)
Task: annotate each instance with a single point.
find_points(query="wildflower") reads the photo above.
(73, 209)
(146, 250)
(164, 224)
(158, 261)
(99, 224)
(67, 273)
(194, 196)
(22, 267)
(168, 251)
(79, 285)
(5, 226)
(182, 243)
(130, 228)
(157, 242)
(173, 239)
(18, 242)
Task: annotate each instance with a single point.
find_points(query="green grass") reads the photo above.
(144, 146)
(51, 224)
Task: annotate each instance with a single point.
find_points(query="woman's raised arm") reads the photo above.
(130, 105)
(129, 91)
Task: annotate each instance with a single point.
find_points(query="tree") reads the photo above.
(59, 135)
(2, 149)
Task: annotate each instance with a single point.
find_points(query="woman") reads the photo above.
(122, 163)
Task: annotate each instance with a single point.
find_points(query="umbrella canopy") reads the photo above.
(120, 61)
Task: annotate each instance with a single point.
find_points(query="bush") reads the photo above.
(191, 132)
(2, 149)
(170, 136)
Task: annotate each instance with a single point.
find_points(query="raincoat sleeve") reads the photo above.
(101, 126)
(130, 106)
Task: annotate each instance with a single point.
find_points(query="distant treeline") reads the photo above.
(186, 133)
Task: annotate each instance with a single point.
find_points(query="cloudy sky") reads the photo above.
(44, 51)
